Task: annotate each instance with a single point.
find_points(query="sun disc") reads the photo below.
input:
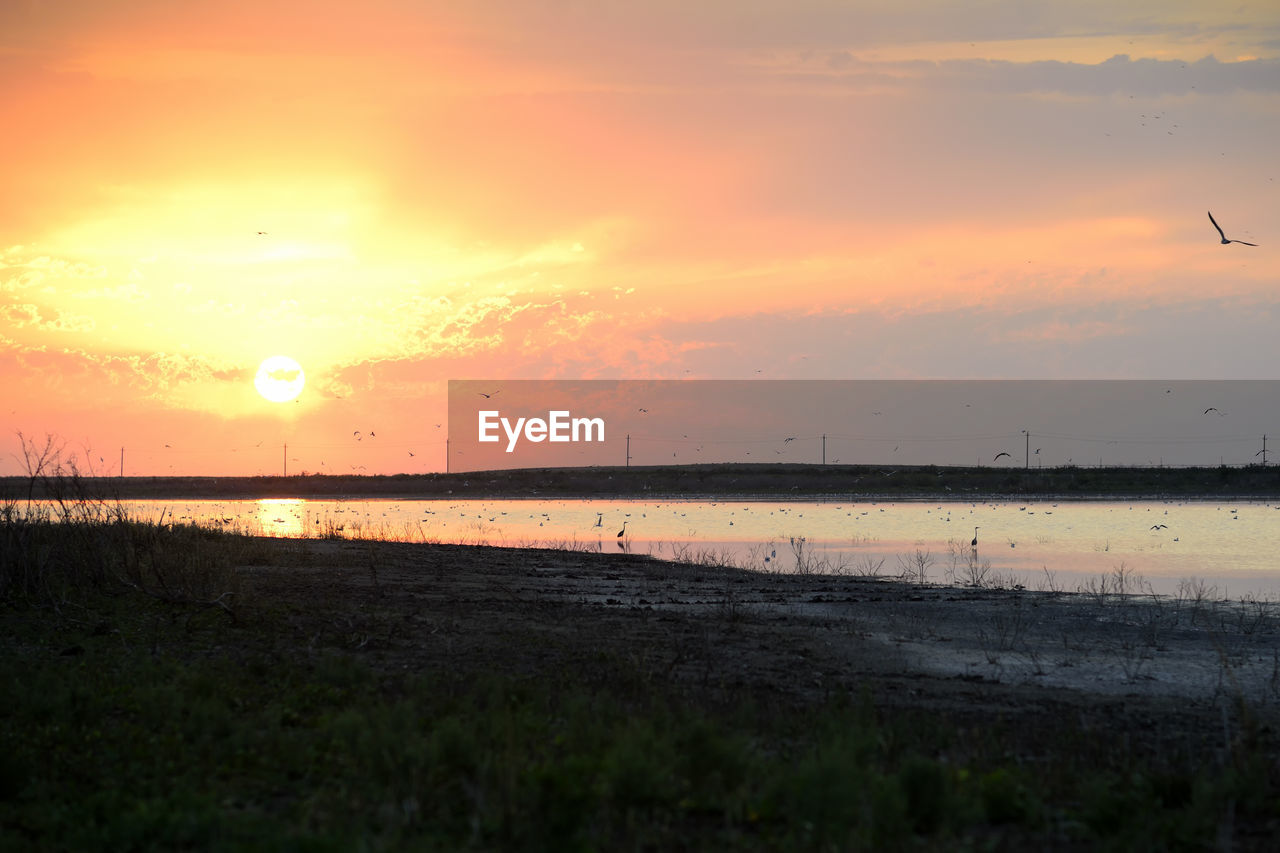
(279, 379)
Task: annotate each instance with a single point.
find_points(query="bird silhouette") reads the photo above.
(974, 543)
(623, 530)
(998, 455)
(1225, 241)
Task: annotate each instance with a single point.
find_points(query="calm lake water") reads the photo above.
(1233, 546)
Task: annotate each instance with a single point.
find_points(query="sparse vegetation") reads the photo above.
(915, 566)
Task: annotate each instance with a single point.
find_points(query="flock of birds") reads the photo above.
(466, 511)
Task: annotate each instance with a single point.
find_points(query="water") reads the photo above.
(1233, 546)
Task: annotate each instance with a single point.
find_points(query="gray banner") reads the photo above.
(1024, 423)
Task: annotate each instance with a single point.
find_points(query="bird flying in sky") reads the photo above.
(1225, 241)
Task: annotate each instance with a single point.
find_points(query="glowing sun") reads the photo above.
(279, 379)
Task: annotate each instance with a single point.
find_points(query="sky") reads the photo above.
(398, 193)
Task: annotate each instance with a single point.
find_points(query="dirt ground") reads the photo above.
(1167, 670)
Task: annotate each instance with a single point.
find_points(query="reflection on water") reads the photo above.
(1233, 545)
(279, 516)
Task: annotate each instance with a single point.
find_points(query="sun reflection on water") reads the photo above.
(280, 516)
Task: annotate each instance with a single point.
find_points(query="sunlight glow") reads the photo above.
(279, 379)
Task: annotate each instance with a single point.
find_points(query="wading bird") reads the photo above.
(1225, 241)
(974, 543)
(623, 530)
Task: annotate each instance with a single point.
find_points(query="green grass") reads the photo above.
(138, 752)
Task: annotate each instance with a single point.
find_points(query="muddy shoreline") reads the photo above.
(1188, 662)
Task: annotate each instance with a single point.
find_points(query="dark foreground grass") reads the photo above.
(132, 720)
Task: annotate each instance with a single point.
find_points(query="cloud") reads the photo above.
(73, 375)
(32, 320)
(1144, 77)
(1119, 74)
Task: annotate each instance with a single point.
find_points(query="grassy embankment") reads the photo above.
(153, 695)
(778, 480)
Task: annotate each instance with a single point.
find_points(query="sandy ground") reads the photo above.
(1169, 666)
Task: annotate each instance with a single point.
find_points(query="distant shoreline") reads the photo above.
(746, 482)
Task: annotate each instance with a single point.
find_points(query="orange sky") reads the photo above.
(811, 189)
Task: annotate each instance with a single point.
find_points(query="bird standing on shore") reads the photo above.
(974, 543)
(623, 530)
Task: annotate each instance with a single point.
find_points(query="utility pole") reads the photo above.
(446, 455)
(122, 462)
(824, 448)
(1263, 451)
(628, 450)
(285, 457)
(1026, 455)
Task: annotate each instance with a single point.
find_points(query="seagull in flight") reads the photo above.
(1225, 241)
(998, 455)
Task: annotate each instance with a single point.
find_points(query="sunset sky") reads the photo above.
(730, 189)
